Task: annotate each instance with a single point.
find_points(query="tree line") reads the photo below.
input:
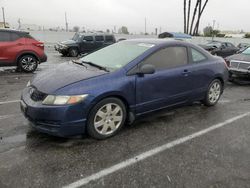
(192, 20)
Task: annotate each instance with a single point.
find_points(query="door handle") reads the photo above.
(186, 72)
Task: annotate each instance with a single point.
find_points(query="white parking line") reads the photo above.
(7, 116)
(224, 101)
(150, 153)
(7, 102)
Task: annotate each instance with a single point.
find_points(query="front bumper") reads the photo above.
(63, 121)
(239, 72)
(61, 49)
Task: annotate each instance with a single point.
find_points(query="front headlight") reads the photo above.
(62, 100)
(63, 46)
(28, 84)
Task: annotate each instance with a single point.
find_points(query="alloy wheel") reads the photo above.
(28, 63)
(108, 119)
(214, 92)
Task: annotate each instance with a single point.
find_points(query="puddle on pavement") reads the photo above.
(14, 139)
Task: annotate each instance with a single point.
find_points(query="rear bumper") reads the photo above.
(44, 58)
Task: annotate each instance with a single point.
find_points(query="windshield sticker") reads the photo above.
(146, 45)
(118, 66)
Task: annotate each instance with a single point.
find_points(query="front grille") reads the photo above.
(240, 65)
(36, 95)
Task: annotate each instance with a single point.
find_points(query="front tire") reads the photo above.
(28, 63)
(213, 93)
(73, 52)
(106, 118)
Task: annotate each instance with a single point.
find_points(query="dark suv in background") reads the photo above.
(84, 43)
(18, 48)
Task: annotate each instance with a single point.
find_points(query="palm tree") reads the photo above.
(194, 15)
(185, 16)
(201, 10)
(189, 8)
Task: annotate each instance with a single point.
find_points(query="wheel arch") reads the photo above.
(110, 95)
(26, 53)
(221, 80)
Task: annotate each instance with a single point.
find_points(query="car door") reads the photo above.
(200, 74)
(231, 49)
(222, 50)
(87, 45)
(169, 85)
(10, 45)
(99, 41)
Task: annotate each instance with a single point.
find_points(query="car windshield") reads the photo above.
(76, 37)
(246, 51)
(117, 55)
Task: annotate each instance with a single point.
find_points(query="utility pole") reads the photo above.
(145, 26)
(4, 24)
(66, 22)
(213, 29)
(19, 24)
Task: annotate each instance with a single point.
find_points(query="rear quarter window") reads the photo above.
(14, 36)
(109, 38)
(197, 56)
(99, 38)
(5, 37)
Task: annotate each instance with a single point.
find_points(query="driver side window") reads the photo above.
(167, 58)
(88, 38)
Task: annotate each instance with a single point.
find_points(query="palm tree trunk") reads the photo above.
(194, 15)
(196, 29)
(200, 14)
(185, 16)
(189, 8)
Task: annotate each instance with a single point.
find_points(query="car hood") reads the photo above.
(239, 57)
(64, 74)
(206, 47)
(68, 42)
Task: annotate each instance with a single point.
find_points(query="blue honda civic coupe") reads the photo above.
(100, 92)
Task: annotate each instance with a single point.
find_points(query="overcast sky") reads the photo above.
(103, 14)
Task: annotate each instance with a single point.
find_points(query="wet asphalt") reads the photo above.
(218, 159)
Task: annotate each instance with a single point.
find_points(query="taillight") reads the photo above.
(40, 45)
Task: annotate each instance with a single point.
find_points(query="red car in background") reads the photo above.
(18, 48)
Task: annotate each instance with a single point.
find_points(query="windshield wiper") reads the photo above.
(95, 65)
(78, 63)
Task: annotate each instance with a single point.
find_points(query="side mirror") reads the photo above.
(146, 69)
(223, 46)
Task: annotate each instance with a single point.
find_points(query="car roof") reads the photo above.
(95, 34)
(166, 42)
(158, 41)
(14, 31)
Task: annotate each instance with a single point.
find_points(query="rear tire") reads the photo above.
(73, 52)
(106, 118)
(28, 63)
(213, 93)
